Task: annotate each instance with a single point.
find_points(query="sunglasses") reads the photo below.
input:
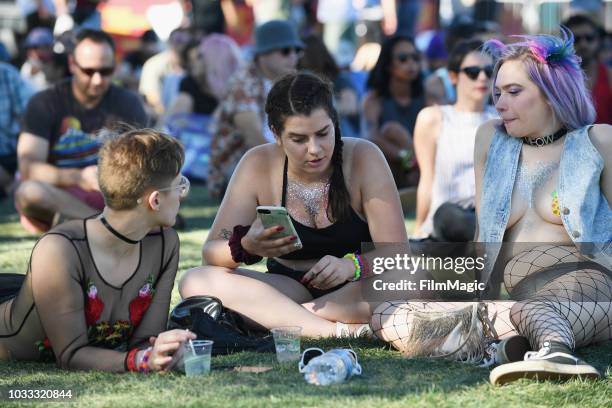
(289, 50)
(405, 56)
(473, 71)
(104, 71)
(183, 186)
(586, 37)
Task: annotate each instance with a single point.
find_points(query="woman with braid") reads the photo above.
(543, 187)
(338, 193)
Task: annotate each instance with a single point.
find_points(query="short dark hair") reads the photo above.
(97, 36)
(457, 55)
(580, 19)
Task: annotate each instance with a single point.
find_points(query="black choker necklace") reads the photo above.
(116, 233)
(544, 140)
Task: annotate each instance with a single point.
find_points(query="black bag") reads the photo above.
(209, 320)
(10, 285)
(180, 316)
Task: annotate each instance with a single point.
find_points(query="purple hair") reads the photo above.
(552, 64)
(222, 58)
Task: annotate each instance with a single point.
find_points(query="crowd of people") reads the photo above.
(502, 141)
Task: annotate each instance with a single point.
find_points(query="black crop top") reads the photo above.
(337, 239)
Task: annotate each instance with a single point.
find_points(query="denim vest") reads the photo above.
(585, 212)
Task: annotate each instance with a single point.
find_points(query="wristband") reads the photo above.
(143, 367)
(130, 360)
(239, 254)
(365, 272)
(355, 261)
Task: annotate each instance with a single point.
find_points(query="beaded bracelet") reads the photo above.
(353, 258)
(362, 265)
(143, 367)
(130, 360)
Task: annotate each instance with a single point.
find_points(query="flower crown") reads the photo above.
(546, 49)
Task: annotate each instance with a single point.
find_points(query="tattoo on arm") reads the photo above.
(225, 234)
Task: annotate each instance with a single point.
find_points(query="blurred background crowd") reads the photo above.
(201, 70)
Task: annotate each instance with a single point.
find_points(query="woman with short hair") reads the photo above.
(97, 291)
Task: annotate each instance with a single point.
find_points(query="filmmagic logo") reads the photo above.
(444, 273)
(431, 285)
(411, 264)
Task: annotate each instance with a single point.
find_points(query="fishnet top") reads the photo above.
(67, 311)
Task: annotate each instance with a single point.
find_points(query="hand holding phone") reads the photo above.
(272, 234)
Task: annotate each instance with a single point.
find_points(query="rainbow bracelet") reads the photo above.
(356, 262)
(143, 367)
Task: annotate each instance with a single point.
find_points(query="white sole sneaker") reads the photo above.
(541, 370)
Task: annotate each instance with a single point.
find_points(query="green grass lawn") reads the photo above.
(388, 380)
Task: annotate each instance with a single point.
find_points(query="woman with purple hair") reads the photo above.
(543, 186)
(210, 64)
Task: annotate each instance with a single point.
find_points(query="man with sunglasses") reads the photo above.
(588, 41)
(57, 151)
(240, 120)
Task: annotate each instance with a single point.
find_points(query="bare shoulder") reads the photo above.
(256, 165)
(430, 116)
(360, 149)
(601, 137)
(362, 158)
(259, 157)
(484, 136)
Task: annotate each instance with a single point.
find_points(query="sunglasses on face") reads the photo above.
(289, 50)
(405, 56)
(474, 71)
(585, 37)
(183, 187)
(104, 71)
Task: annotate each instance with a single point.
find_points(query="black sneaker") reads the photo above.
(554, 361)
(226, 339)
(506, 351)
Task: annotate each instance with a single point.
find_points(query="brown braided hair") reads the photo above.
(300, 94)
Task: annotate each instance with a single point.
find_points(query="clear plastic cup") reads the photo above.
(196, 356)
(287, 343)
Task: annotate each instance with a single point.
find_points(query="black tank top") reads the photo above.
(337, 239)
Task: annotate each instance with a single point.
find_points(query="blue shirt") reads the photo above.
(14, 95)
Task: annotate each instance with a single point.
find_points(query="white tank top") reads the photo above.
(454, 161)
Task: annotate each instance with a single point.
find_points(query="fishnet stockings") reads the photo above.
(560, 301)
(391, 320)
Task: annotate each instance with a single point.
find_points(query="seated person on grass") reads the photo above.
(339, 194)
(97, 291)
(57, 150)
(543, 175)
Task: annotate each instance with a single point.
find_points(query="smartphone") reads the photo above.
(271, 216)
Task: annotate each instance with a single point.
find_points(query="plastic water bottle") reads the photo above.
(333, 367)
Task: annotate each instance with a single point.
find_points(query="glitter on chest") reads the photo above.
(312, 196)
(530, 179)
